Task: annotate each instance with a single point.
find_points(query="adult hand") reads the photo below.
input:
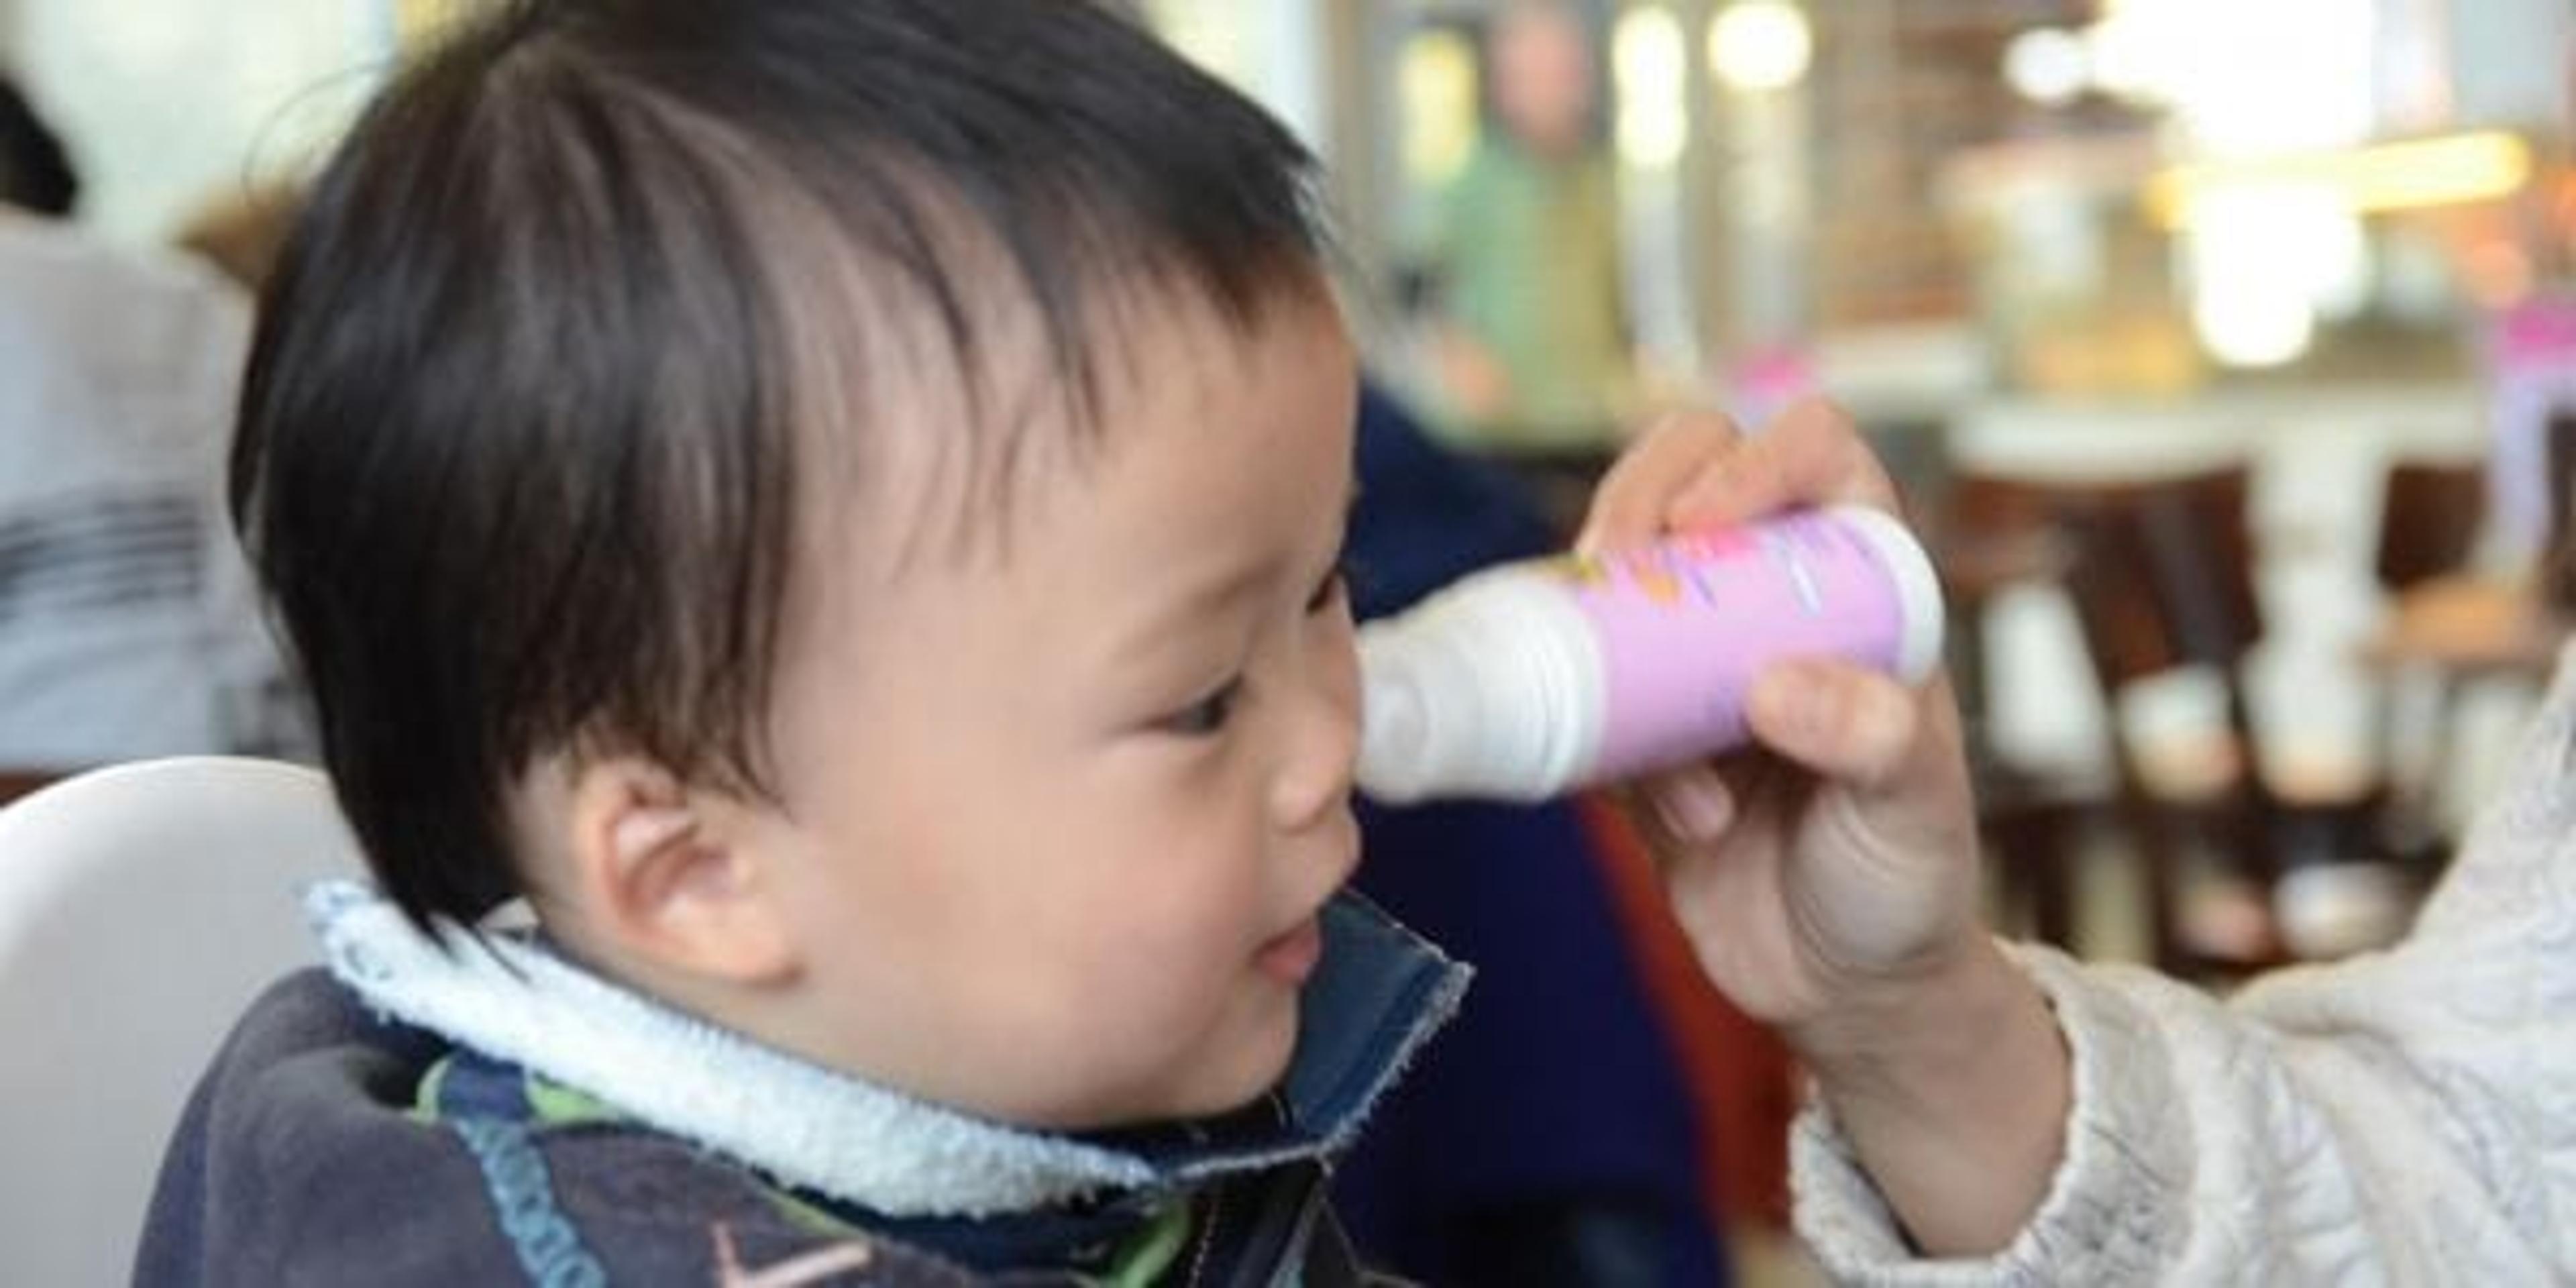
(1835, 863)
(1827, 877)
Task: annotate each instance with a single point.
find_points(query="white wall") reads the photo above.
(168, 104)
(1272, 51)
(2509, 61)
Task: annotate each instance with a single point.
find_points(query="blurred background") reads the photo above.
(2219, 349)
(2051, 237)
(2225, 353)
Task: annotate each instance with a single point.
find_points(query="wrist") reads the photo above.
(1896, 1027)
(1955, 1089)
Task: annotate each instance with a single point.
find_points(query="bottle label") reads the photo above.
(1686, 624)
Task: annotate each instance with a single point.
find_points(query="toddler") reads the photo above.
(835, 504)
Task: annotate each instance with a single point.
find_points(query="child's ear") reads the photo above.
(664, 879)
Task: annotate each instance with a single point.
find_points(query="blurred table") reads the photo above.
(2469, 626)
(2451, 630)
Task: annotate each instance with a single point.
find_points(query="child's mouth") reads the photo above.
(1291, 957)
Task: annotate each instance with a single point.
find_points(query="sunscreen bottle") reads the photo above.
(1532, 679)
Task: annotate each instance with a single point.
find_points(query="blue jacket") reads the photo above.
(341, 1138)
(1556, 1095)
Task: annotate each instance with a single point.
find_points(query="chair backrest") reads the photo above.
(2558, 549)
(142, 906)
(2164, 568)
(2428, 520)
(2160, 571)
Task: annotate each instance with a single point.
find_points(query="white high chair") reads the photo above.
(142, 906)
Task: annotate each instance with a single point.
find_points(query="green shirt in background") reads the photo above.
(1527, 249)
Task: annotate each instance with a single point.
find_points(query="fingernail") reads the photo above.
(1695, 808)
(1791, 704)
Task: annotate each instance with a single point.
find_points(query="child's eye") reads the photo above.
(1208, 715)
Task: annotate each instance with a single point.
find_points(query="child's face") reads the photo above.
(1057, 823)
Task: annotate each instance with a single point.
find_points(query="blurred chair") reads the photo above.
(2451, 622)
(2161, 574)
(2431, 514)
(1990, 536)
(141, 908)
(2429, 519)
(2557, 582)
(2161, 578)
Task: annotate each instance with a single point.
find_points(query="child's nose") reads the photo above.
(1314, 781)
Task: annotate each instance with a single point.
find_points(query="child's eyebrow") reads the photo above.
(1211, 596)
(1202, 598)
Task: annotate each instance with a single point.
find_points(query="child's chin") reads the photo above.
(1249, 1071)
(1216, 1080)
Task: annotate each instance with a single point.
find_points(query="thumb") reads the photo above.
(1846, 723)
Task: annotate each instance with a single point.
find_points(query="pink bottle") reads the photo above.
(1529, 680)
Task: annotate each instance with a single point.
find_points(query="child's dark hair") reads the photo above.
(520, 437)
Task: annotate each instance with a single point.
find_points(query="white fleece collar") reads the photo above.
(508, 997)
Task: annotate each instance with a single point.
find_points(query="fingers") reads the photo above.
(1851, 725)
(1694, 804)
(1811, 455)
(1817, 723)
(1635, 497)
(1696, 469)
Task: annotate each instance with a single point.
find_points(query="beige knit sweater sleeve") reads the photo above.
(2403, 1118)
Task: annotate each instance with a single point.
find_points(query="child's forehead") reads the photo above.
(935, 449)
(1229, 469)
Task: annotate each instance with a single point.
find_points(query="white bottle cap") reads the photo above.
(1399, 762)
(1918, 587)
(1489, 689)
(1496, 688)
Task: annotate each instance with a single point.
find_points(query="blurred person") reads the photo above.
(1549, 1137)
(1531, 342)
(127, 625)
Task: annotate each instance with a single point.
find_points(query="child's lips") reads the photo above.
(1292, 957)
